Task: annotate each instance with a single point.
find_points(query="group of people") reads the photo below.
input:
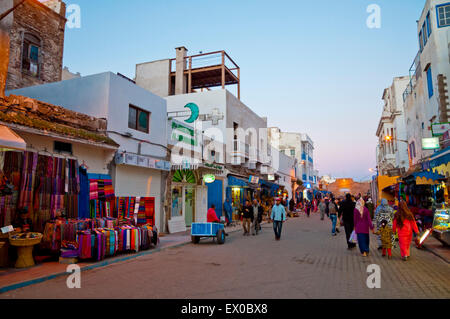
(355, 214)
(358, 220)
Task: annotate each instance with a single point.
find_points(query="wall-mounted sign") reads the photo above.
(141, 161)
(253, 179)
(194, 112)
(182, 133)
(209, 178)
(431, 143)
(270, 177)
(439, 129)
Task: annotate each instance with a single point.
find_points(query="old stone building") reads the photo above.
(36, 32)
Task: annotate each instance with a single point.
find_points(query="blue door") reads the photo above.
(215, 196)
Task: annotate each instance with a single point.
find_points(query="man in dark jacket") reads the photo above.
(247, 218)
(257, 211)
(346, 210)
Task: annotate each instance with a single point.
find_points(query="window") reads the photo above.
(138, 119)
(430, 82)
(424, 35)
(30, 54)
(443, 12)
(61, 147)
(428, 21)
(292, 152)
(420, 41)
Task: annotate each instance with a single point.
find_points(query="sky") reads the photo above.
(310, 66)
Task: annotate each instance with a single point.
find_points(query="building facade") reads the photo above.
(426, 103)
(392, 149)
(36, 31)
(299, 146)
(137, 122)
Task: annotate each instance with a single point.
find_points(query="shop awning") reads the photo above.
(236, 182)
(427, 178)
(10, 140)
(439, 162)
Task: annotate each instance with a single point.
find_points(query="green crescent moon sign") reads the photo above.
(194, 112)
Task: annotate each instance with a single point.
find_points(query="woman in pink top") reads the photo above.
(405, 225)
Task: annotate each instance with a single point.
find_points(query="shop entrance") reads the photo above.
(189, 204)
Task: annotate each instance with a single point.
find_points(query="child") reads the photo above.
(385, 232)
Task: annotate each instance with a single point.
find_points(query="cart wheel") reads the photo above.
(220, 237)
(195, 239)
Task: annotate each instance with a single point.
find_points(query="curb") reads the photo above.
(103, 263)
(436, 254)
(88, 267)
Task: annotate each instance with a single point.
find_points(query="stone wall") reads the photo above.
(49, 26)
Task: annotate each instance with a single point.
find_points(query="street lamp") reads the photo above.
(389, 138)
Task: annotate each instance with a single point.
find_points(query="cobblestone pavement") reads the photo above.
(307, 263)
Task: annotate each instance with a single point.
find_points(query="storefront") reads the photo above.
(238, 191)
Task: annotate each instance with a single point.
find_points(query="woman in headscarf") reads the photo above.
(363, 223)
(384, 212)
(405, 224)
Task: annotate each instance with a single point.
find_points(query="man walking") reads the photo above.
(279, 217)
(257, 211)
(322, 208)
(346, 210)
(247, 218)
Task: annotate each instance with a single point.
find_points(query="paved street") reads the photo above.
(306, 263)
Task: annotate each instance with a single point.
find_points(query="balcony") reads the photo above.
(207, 70)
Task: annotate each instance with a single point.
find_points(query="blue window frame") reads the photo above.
(443, 15)
(420, 41)
(430, 82)
(428, 21)
(424, 35)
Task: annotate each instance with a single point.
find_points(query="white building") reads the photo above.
(137, 121)
(234, 136)
(299, 146)
(393, 153)
(426, 103)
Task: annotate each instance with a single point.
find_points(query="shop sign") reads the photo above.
(209, 178)
(270, 177)
(142, 161)
(431, 143)
(215, 166)
(253, 179)
(439, 129)
(183, 134)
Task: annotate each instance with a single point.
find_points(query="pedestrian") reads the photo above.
(292, 204)
(257, 212)
(322, 208)
(338, 221)
(362, 224)
(405, 225)
(247, 218)
(385, 232)
(228, 211)
(308, 208)
(332, 214)
(346, 211)
(278, 216)
(384, 212)
(370, 206)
